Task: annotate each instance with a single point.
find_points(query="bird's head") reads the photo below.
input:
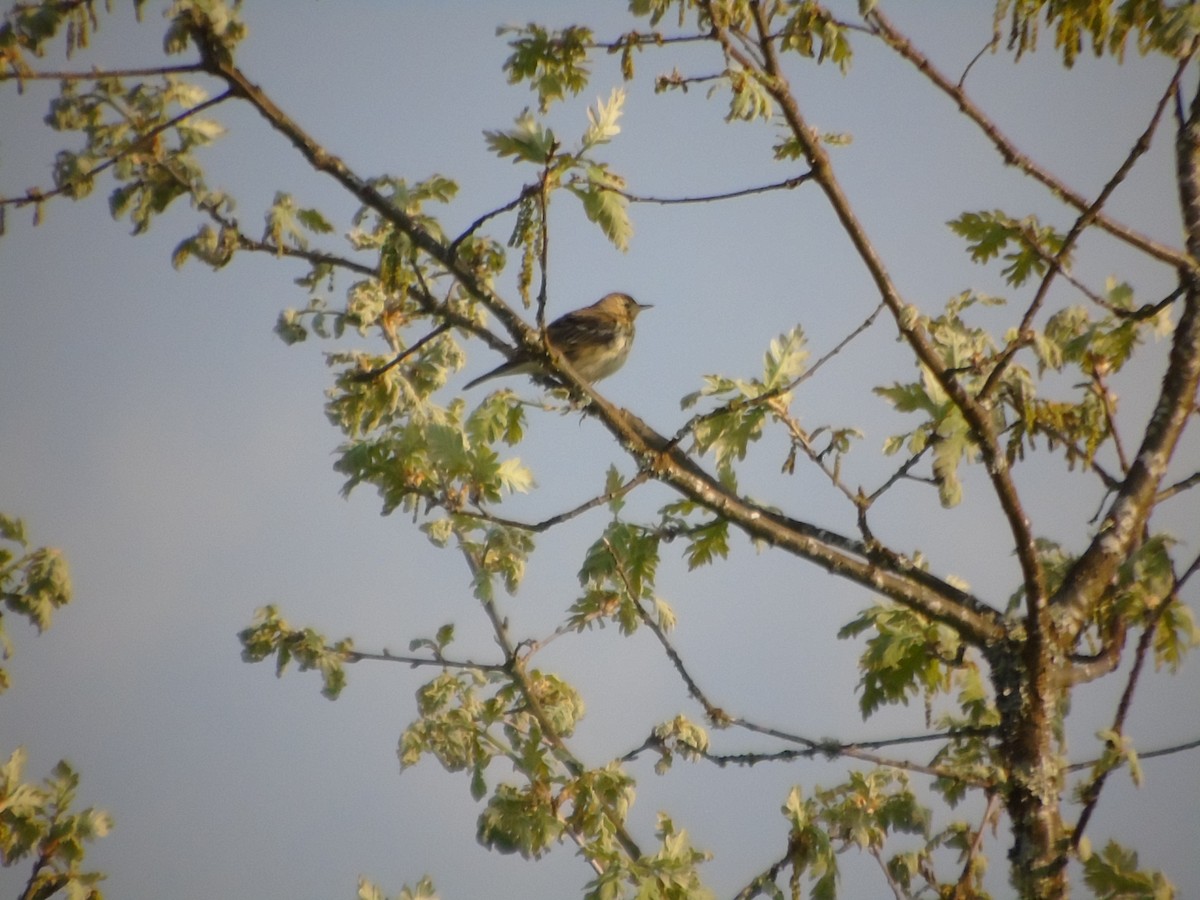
(621, 305)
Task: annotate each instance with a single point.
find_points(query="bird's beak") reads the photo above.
(641, 306)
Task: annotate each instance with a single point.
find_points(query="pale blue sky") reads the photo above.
(153, 427)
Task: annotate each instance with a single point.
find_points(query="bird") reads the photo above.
(595, 340)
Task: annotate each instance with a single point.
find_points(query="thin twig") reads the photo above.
(98, 74)
(1085, 219)
(543, 200)
(372, 374)
(963, 889)
(34, 195)
(559, 518)
(767, 396)
(897, 891)
(721, 719)
(1178, 487)
(755, 887)
(533, 701)
(990, 45)
(1193, 744)
(896, 476)
(354, 656)
(785, 185)
(1110, 418)
(491, 214)
(1092, 792)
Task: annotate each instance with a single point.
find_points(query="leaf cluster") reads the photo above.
(862, 813)
(36, 822)
(598, 188)
(424, 890)
(27, 28)
(617, 576)
(553, 62)
(728, 430)
(1113, 874)
(1157, 25)
(34, 582)
(270, 635)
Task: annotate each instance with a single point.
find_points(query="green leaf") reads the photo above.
(784, 360)
(519, 820)
(903, 658)
(530, 141)
(613, 482)
(553, 62)
(1113, 874)
(602, 120)
(289, 327)
(813, 33)
(748, 97)
(604, 204)
(989, 234)
(313, 221)
(952, 444)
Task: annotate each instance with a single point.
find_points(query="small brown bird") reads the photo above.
(595, 340)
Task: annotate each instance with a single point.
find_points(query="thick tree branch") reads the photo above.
(976, 415)
(977, 622)
(1123, 525)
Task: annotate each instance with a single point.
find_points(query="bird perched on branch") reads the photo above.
(595, 340)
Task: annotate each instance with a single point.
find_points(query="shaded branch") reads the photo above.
(964, 890)
(759, 882)
(898, 475)
(1091, 795)
(526, 191)
(1178, 487)
(877, 853)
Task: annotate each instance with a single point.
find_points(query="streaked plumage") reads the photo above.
(596, 340)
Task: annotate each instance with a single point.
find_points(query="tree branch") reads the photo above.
(977, 622)
(884, 29)
(354, 656)
(964, 890)
(1092, 793)
(98, 74)
(37, 196)
(1125, 520)
(514, 666)
(1054, 264)
(721, 719)
(786, 185)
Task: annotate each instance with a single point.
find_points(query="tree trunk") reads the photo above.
(1028, 702)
